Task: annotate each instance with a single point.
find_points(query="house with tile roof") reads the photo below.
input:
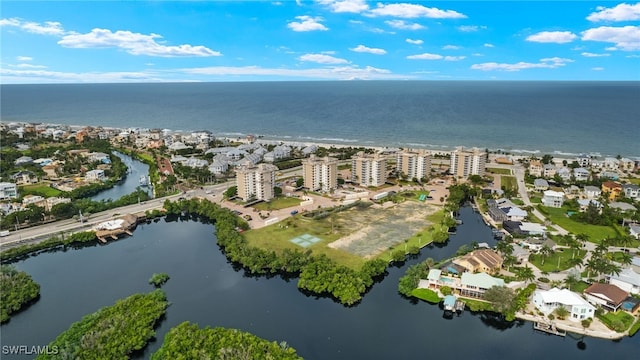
(606, 295)
(485, 260)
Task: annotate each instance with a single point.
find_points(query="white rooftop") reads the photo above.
(562, 296)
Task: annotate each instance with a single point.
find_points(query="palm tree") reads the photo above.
(575, 262)
(545, 251)
(625, 259)
(582, 238)
(525, 273)
(571, 280)
(562, 312)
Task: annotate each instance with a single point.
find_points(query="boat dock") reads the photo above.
(548, 328)
(116, 227)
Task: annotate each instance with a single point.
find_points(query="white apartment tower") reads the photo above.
(414, 164)
(256, 182)
(467, 162)
(320, 173)
(368, 170)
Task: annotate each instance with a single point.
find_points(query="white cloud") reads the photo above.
(477, 54)
(345, 6)
(414, 42)
(133, 43)
(46, 76)
(336, 73)
(322, 59)
(307, 23)
(547, 63)
(428, 56)
(558, 37)
(588, 54)
(488, 45)
(598, 68)
(403, 25)
(410, 11)
(635, 56)
(626, 38)
(621, 12)
(46, 28)
(364, 49)
(27, 66)
(470, 28)
(24, 58)
(450, 47)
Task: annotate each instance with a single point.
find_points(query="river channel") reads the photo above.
(206, 289)
(128, 184)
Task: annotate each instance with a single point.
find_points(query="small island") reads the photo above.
(17, 289)
(159, 279)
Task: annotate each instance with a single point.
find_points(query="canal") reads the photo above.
(128, 184)
(206, 289)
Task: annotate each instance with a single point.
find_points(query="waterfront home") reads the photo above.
(584, 204)
(485, 260)
(33, 199)
(535, 168)
(592, 192)
(536, 244)
(611, 163)
(552, 198)
(547, 301)
(468, 285)
(177, 146)
(610, 175)
(195, 163)
(627, 164)
(581, 174)
(282, 152)
(540, 184)
(631, 191)
(549, 170)
(628, 280)
(236, 154)
(524, 228)
(219, 167)
(311, 149)
(613, 188)
(564, 173)
(24, 177)
(23, 160)
(95, 175)
(583, 160)
(608, 296)
(98, 156)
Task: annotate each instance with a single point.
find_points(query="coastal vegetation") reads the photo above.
(319, 274)
(113, 332)
(188, 341)
(17, 289)
(618, 321)
(159, 279)
(52, 242)
(426, 295)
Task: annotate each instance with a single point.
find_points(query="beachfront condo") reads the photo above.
(467, 162)
(256, 182)
(414, 164)
(368, 169)
(320, 173)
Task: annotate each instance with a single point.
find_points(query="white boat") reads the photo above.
(144, 181)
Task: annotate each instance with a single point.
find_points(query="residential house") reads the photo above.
(36, 200)
(535, 168)
(627, 164)
(564, 173)
(8, 190)
(622, 206)
(584, 204)
(483, 260)
(592, 192)
(195, 163)
(634, 231)
(468, 284)
(24, 177)
(282, 152)
(610, 175)
(53, 201)
(613, 188)
(311, 149)
(631, 191)
(536, 244)
(540, 184)
(581, 174)
(520, 253)
(583, 160)
(23, 160)
(219, 167)
(611, 163)
(95, 175)
(628, 280)
(549, 170)
(524, 228)
(178, 145)
(548, 301)
(236, 154)
(552, 198)
(52, 170)
(99, 156)
(608, 296)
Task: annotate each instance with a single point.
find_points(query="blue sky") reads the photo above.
(113, 41)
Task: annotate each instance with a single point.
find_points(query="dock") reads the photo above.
(548, 328)
(114, 228)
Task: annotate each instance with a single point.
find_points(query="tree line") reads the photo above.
(318, 273)
(188, 341)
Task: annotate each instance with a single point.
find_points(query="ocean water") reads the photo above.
(520, 117)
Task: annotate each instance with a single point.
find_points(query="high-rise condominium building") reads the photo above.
(467, 162)
(320, 173)
(414, 164)
(256, 182)
(368, 170)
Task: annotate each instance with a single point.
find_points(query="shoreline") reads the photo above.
(566, 325)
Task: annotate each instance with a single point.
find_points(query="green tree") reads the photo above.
(231, 192)
(300, 182)
(561, 312)
(525, 274)
(17, 289)
(501, 297)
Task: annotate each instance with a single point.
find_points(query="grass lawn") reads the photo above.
(634, 181)
(477, 305)
(551, 261)
(499, 171)
(535, 200)
(595, 232)
(580, 287)
(146, 157)
(41, 189)
(509, 182)
(634, 329)
(619, 321)
(517, 201)
(278, 203)
(426, 295)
